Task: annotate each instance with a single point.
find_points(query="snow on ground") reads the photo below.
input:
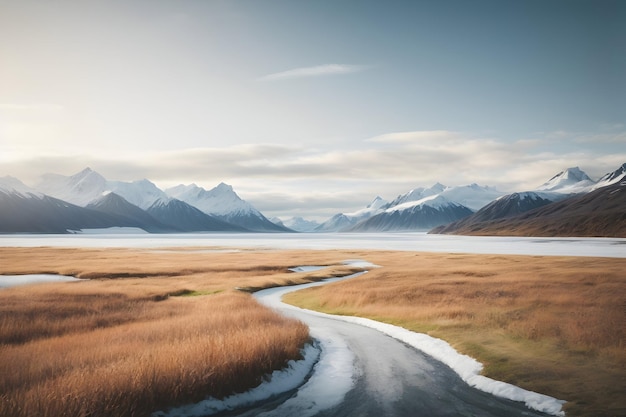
(333, 361)
(466, 367)
(336, 364)
(329, 383)
(278, 382)
(112, 230)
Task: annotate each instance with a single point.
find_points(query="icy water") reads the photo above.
(15, 280)
(603, 247)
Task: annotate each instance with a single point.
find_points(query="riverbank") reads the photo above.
(512, 313)
(553, 325)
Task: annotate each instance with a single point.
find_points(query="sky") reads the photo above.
(310, 108)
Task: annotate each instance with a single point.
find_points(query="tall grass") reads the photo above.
(551, 324)
(147, 355)
(123, 344)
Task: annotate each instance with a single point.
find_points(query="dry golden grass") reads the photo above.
(555, 325)
(174, 351)
(551, 324)
(124, 344)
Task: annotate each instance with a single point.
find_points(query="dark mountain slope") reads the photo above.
(507, 206)
(187, 218)
(129, 215)
(599, 213)
(419, 217)
(21, 213)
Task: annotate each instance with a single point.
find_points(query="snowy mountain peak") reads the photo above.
(297, 223)
(223, 188)
(85, 172)
(571, 180)
(88, 185)
(438, 187)
(141, 193)
(612, 177)
(473, 196)
(162, 201)
(11, 185)
(87, 177)
(80, 188)
(435, 201)
(575, 174)
(417, 194)
(377, 203)
(221, 200)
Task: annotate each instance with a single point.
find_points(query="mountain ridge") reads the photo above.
(142, 204)
(599, 211)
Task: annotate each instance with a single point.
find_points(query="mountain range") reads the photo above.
(457, 210)
(420, 209)
(86, 200)
(569, 204)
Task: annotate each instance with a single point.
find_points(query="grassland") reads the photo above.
(156, 328)
(146, 331)
(554, 325)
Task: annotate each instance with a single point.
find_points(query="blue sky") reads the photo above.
(313, 107)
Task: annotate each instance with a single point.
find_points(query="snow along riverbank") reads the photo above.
(335, 363)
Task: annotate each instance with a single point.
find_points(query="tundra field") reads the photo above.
(147, 329)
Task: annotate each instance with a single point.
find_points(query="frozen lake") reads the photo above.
(15, 280)
(604, 247)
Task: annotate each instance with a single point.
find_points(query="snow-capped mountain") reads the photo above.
(119, 201)
(187, 218)
(220, 201)
(337, 223)
(597, 213)
(472, 196)
(141, 204)
(447, 203)
(563, 185)
(28, 212)
(514, 204)
(141, 193)
(612, 177)
(79, 189)
(569, 181)
(296, 223)
(11, 185)
(506, 206)
(416, 194)
(129, 214)
(567, 209)
(423, 214)
(223, 203)
(343, 221)
(88, 185)
(24, 210)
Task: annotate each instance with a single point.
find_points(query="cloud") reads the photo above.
(316, 71)
(293, 179)
(415, 136)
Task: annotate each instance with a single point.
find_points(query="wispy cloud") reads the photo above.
(295, 179)
(315, 71)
